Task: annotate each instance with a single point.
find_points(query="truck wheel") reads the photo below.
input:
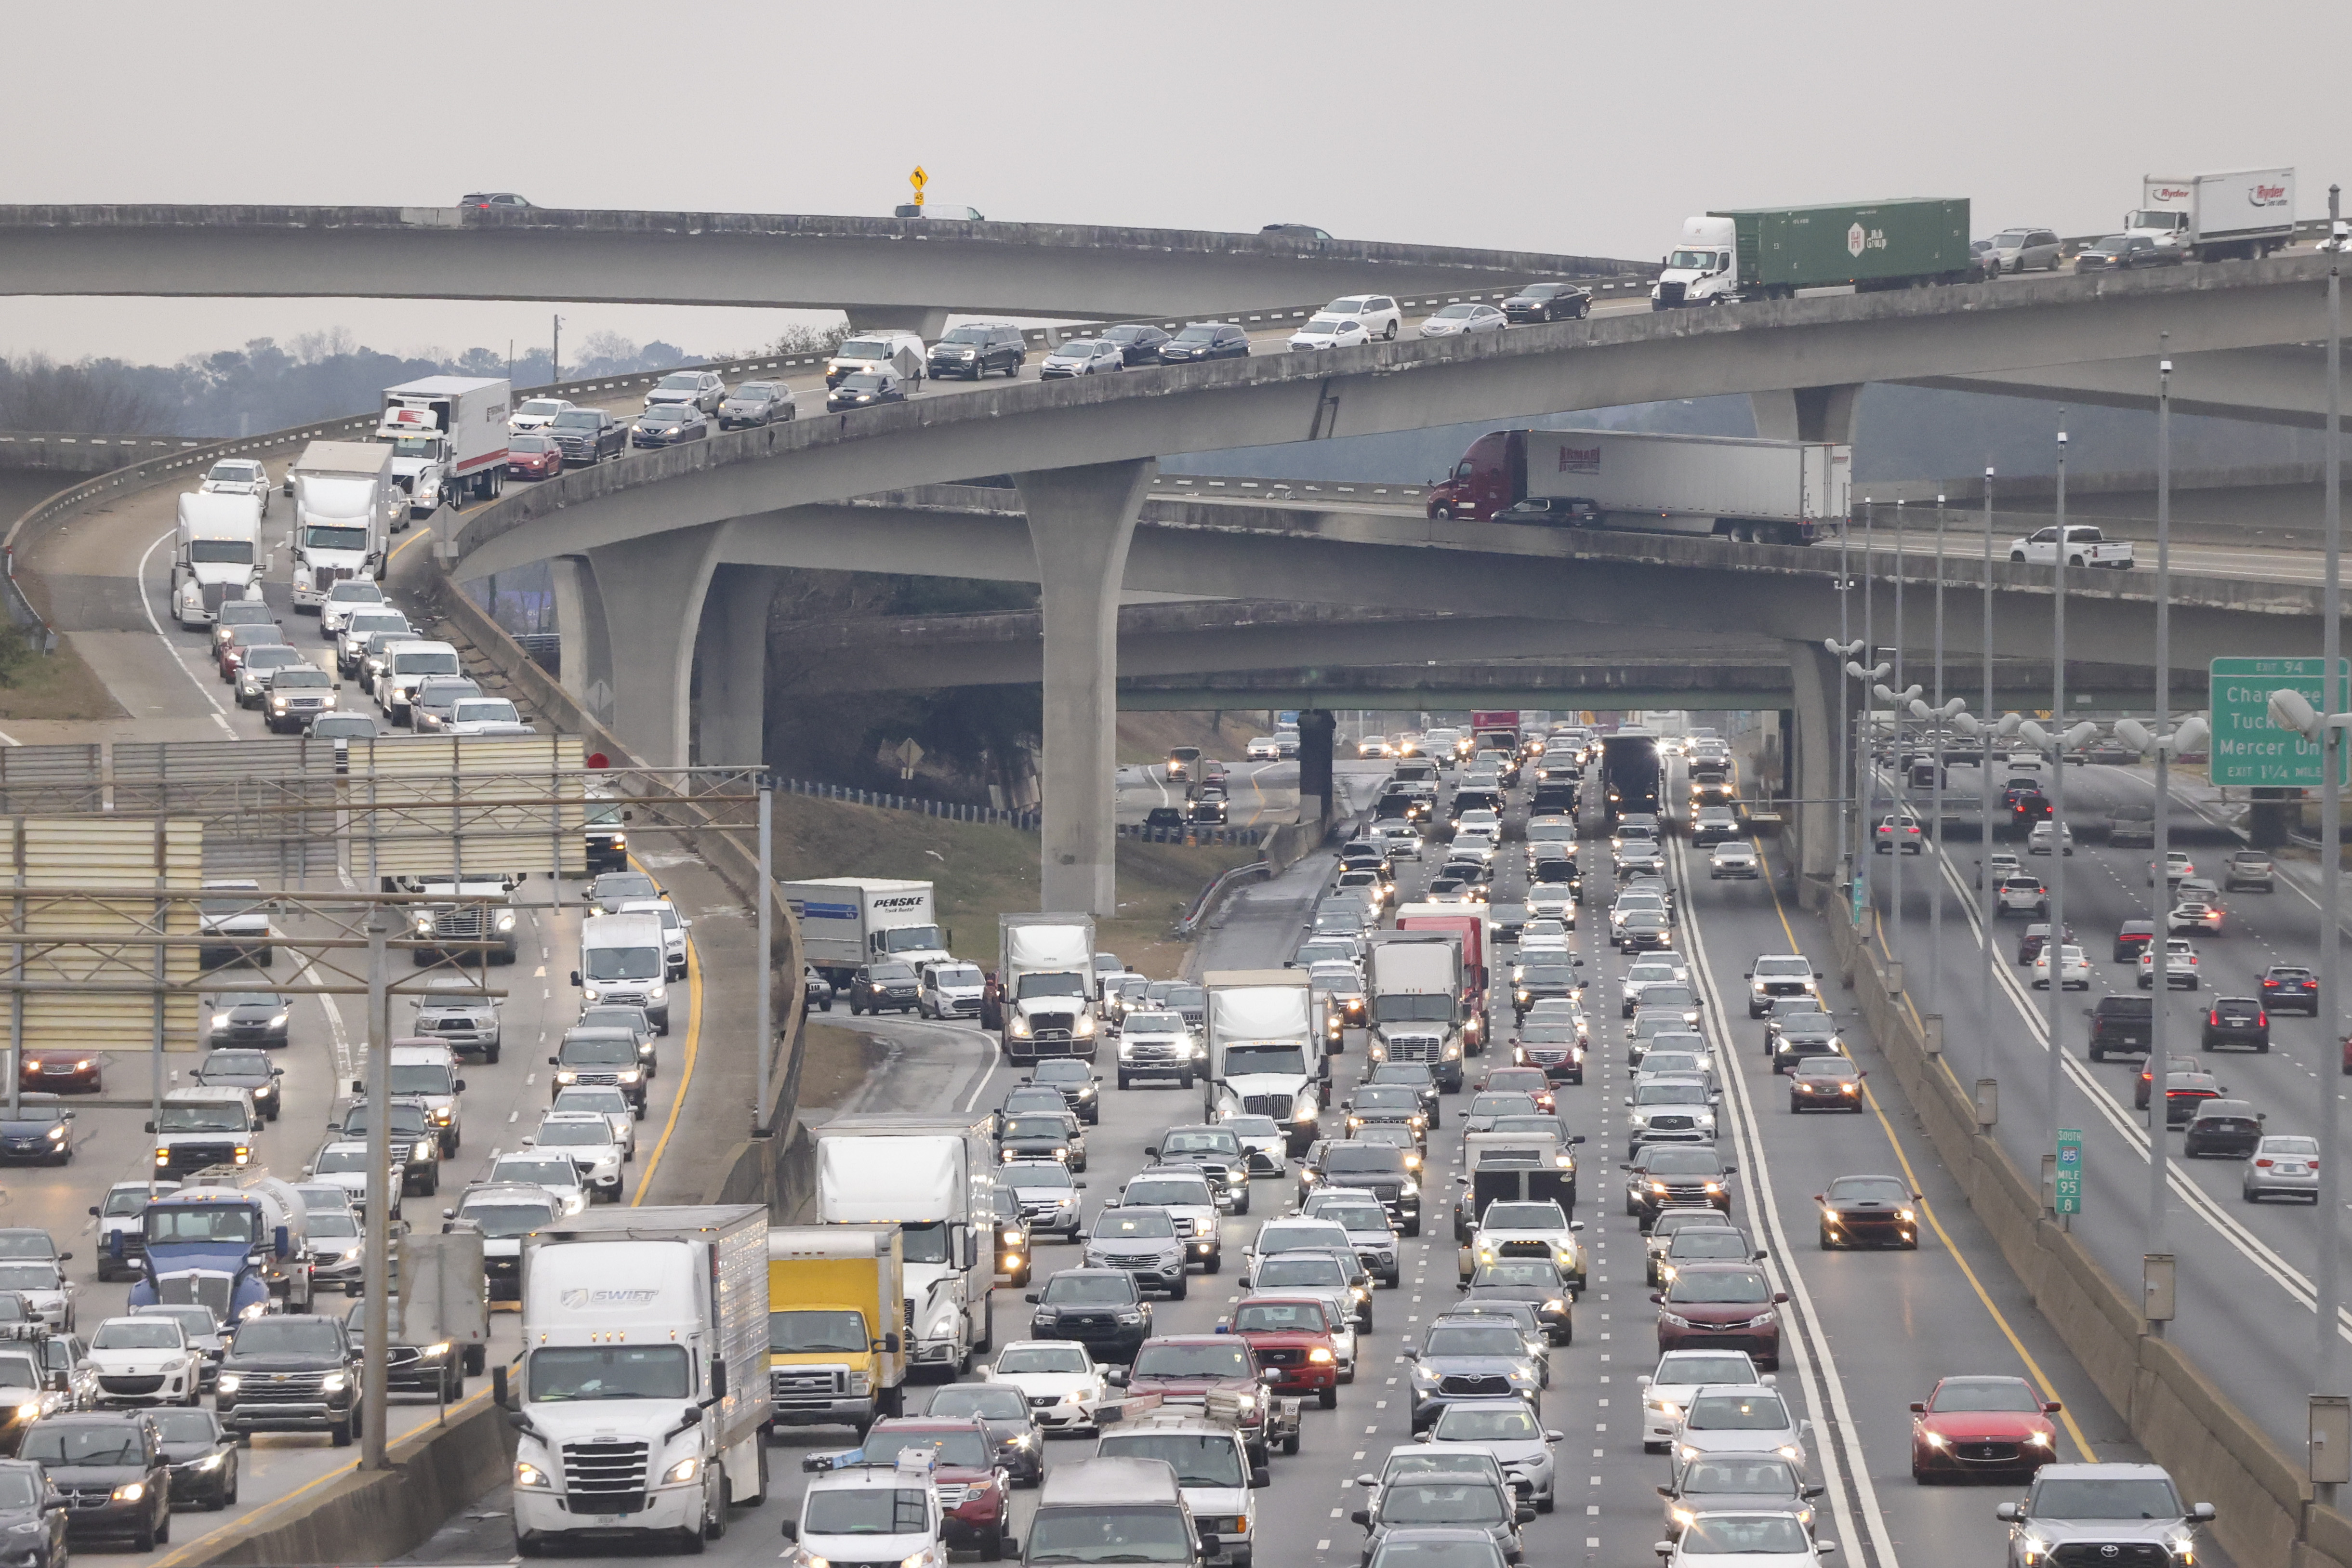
(475, 1357)
(1328, 1399)
(340, 1433)
(1290, 1444)
(1176, 1291)
(991, 1547)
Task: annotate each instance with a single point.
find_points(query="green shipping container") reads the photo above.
(1871, 245)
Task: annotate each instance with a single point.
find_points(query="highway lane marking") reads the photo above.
(686, 1081)
(2000, 1321)
(1816, 1367)
(220, 715)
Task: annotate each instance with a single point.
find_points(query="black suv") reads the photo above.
(887, 986)
(1102, 1308)
(416, 1143)
(1138, 344)
(291, 1371)
(588, 435)
(2288, 986)
(2120, 1023)
(411, 1366)
(978, 348)
(109, 1467)
(2237, 1021)
(1205, 341)
(1665, 1174)
(32, 1514)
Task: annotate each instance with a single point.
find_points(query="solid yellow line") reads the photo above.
(413, 534)
(2049, 1390)
(693, 1044)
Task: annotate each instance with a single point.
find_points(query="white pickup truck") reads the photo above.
(2086, 546)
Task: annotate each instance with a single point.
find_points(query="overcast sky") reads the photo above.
(1555, 126)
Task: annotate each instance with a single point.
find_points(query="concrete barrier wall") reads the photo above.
(2184, 1420)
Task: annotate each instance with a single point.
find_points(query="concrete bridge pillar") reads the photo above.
(1813, 737)
(587, 657)
(1316, 727)
(650, 591)
(1081, 521)
(731, 663)
(1806, 414)
(928, 322)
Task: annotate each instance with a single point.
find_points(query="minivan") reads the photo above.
(623, 960)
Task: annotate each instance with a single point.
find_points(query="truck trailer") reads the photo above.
(1046, 972)
(2238, 216)
(1769, 492)
(836, 1345)
(849, 921)
(934, 1179)
(448, 436)
(1770, 252)
(345, 505)
(1629, 773)
(644, 1392)
(1414, 979)
(1266, 1051)
(1470, 927)
(215, 555)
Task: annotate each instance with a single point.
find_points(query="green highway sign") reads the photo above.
(2247, 748)
(2068, 1182)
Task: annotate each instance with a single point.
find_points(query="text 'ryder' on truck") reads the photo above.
(1762, 492)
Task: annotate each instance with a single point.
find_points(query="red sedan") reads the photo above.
(61, 1071)
(1291, 1337)
(533, 458)
(974, 1495)
(1532, 1082)
(1721, 1306)
(1982, 1426)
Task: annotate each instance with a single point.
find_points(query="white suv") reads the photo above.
(2024, 896)
(1378, 312)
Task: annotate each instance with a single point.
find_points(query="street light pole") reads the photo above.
(1936, 793)
(384, 1178)
(1866, 782)
(2055, 944)
(1902, 835)
(2160, 885)
(2328, 1285)
(1984, 790)
(1846, 709)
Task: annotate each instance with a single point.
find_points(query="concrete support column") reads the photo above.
(1316, 727)
(652, 590)
(1806, 414)
(1817, 685)
(929, 323)
(731, 667)
(1081, 521)
(587, 656)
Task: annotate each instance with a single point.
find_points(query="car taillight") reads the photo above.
(2263, 1019)
(2264, 1164)
(2214, 1018)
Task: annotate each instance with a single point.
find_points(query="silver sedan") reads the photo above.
(2282, 1167)
(1461, 319)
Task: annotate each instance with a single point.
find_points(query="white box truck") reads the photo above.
(846, 921)
(643, 1401)
(934, 1179)
(215, 555)
(448, 436)
(345, 504)
(1266, 1051)
(1769, 492)
(1045, 968)
(1414, 984)
(2237, 216)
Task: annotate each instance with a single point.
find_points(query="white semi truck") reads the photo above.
(1769, 492)
(934, 1179)
(345, 504)
(1414, 985)
(2242, 215)
(1045, 966)
(215, 555)
(1266, 1051)
(846, 921)
(448, 436)
(644, 1395)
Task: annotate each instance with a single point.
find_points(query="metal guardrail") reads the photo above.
(1205, 902)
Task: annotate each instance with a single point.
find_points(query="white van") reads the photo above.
(623, 962)
(405, 664)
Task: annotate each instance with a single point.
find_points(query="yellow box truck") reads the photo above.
(836, 1345)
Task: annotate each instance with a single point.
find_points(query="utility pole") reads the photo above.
(1865, 775)
(766, 899)
(2160, 889)
(1902, 778)
(2328, 1286)
(1846, 709)
(2055, 945)
(1984, 790)
(555, 355)
(1936, 794)
(383, 1193)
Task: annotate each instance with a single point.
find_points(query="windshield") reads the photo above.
(235, 473)
(1161, 1360)
(578, 419)
(1435, 1007)
(236, 552)
(1757, 1412)
(1696, 1369)
(422, 1078)
(1299, 1268)
(1057, 985)
(1108, 1535)
(1196, 335)
(507, 1219)
(113, 1444)
(1035, 1176)
(325, 1224)
(547, 405)
(1204, 1140)
(2008, 1393)
(426, 446)
(167, 1224)
(127, 1201)
(1692, 260)
(1083, 1290)
(2090, 1499)
(1454, 312)
(1526, 1216)
(1419, 1501)
(1715, 1534)
(1670, 1094)
(18, 1372)
(29, 1276)
(1518, 1271)
(183, 1426)
(551, 1171)
(1481, 1340)
(1200, 1460)
(1341, 1159)
(1868, 1189)
(1279, 1317)
(684, 381)
(286, 1336)
(607, 1371)
(1487, 1423)
(1160, 1194)
(1118, 1225)
(989, 1402)
(1725, 1287)
(971, 1451)
(1286, 1059)
(1762, 1476)
(1326, 324)
(862, 348)
(202, 1119)
(1043, 1357)
(1683, 1162)
(1050, 1125)
(574, 1135)
(623, 963)
(138, 1334)
(867, 1511)
(1439, 1553)
(424, 664)
(864, 380)
(336, 1162)
(797, 1333)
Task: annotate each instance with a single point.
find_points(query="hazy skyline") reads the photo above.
(1546, 127)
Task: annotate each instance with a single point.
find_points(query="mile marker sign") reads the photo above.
(2248, 750)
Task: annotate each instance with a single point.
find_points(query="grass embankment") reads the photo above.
(1145, 737)
(59, 686)
(980, 871)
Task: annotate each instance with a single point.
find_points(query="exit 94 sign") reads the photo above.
(2247, 748)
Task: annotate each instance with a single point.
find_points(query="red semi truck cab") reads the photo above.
(1490, 478)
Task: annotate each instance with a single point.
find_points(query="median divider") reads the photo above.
(2212, 1448)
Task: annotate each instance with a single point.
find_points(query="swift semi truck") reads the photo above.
(644, 1402)
(849, 921)
(1469, 927)
(836, 1330)
(448, 436)
(1046, 972)
(2238, 216)
(1266, 1051)
(1770, 252)
(215, 555)
(1414, 978)
(231, 1238)
(1769, 492)
(934, 1179)
(345, 504)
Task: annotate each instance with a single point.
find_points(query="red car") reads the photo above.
(240, 638)
(1721, 1306)
(1982, 1426)
(61, 1071)
(974, 1496)
(1182, 1369)
(1291, 1338)
(533, 458)
(1532, 1082)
